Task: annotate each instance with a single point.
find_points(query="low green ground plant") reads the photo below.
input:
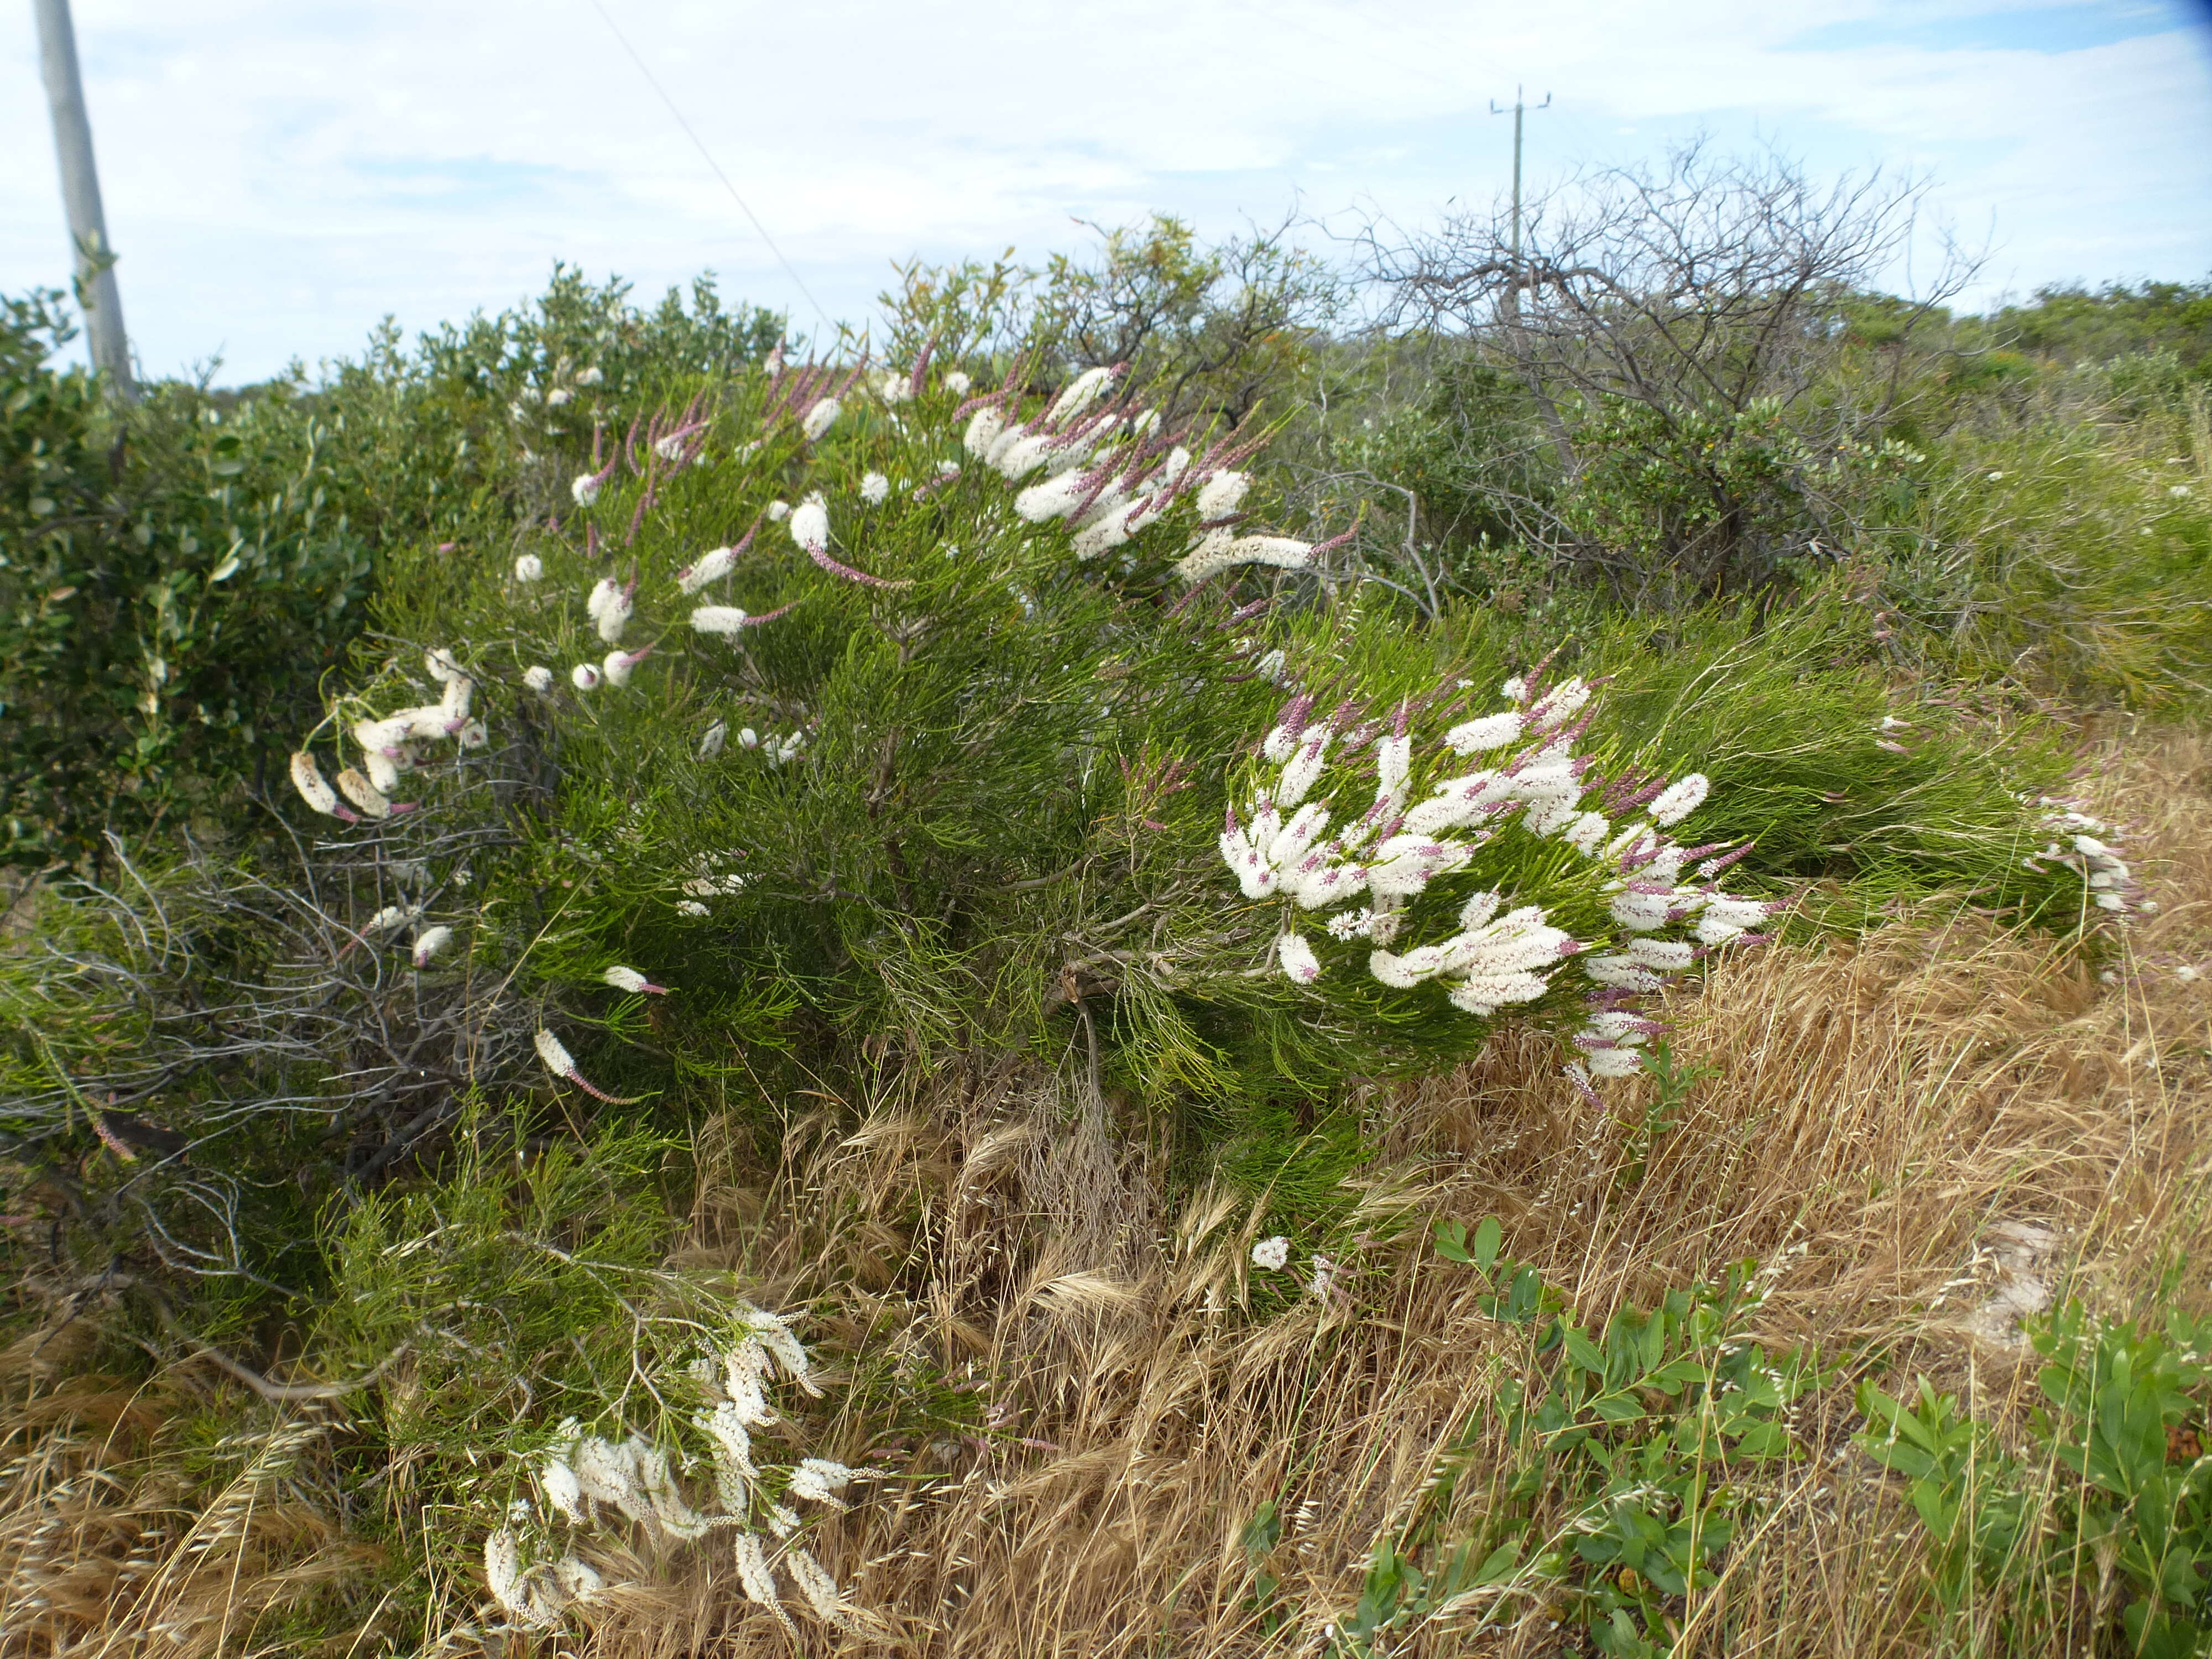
(2096, 1527)
(1615, 1466)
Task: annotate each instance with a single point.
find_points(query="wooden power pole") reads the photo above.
(1513, 289)
(97, 294)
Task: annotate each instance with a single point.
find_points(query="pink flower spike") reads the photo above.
(821, 556)
(557, 1061)
(1576, 1073)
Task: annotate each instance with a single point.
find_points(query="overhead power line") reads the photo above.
(707, 156)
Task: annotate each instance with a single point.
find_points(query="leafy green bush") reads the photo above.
(176, 579)
(2061, 546)
(954, 795)
(2071, 323)
(173, 581)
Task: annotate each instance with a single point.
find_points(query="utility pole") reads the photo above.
(97, 296)
(1513, 288)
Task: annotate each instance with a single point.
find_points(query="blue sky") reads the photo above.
(280, 176)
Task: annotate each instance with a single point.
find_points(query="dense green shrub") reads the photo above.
(176, 578)
(2070, 323)
(173, 579)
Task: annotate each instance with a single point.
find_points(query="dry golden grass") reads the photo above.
(1915, 1133)
(109, 1545)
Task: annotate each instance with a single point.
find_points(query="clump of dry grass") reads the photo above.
(1907, 1130)
(118, 1538)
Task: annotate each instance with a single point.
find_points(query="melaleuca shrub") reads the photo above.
(879, 716)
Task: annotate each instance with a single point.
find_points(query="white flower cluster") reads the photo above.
(1274, 1255)
(587, 1482)
(2085, 846)
(1107, 474)
(1365, 874)
(391, 747)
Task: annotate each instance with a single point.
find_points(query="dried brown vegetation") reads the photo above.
(1920, 1134)
(125, 1528)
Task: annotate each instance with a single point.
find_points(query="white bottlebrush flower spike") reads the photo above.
(778, 512)
(528, 568)
(629, 979)
(610, 606)
(726, 619)
(1297, 959)
(711, 744)
(1272, 1253)
(429, 942)
(364, 794)
(1476, 736)
(1081, 392)
(758, 1581)
(819, 1481)
(875, 487)
(538, 677)
(1217, 550)
(518, 1598)
(554, 1054)
(809, 523)
(585, 676)
(618, 665)
(308, 778)
(1221, 495)
(1680, 798)
(957, 383)
(819, 419)
(559, 1062)
(984, 428)
(819, 1589)
(383, 770)
(388, 737)
(711, 566)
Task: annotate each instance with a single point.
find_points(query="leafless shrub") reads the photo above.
(259, 1003)
(1678, 333)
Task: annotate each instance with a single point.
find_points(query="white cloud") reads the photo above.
(279, 176)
